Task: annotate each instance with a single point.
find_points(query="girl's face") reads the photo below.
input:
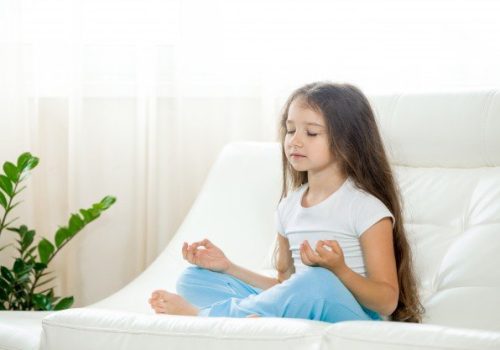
(306, 142)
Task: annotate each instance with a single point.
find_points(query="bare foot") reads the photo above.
(164, 302)
(252, 316)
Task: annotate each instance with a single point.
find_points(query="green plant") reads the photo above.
(24, 285)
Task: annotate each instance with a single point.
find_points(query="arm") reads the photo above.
(250, 277)
(285, 268)
(379, 291)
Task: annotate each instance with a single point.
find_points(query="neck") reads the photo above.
(325, 181)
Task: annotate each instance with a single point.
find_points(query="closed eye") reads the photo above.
(308, 134)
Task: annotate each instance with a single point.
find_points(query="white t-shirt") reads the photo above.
(343, 216)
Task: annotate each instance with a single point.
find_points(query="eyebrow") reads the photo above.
(310, 123)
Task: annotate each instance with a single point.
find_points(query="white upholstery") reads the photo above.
(445, 151)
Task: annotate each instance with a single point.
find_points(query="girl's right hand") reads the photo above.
(208, 256)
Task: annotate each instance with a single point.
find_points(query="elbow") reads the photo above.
(389, 310)
(392, 303)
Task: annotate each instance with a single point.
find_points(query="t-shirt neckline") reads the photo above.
(327, 199)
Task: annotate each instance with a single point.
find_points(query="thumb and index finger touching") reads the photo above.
(205, 242)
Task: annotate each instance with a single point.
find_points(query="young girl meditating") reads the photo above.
(341, 251)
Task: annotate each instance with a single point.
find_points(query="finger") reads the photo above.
(193, 246)
(190, 254)
(197, 256)
(207, 243)
(304, 257)
(184, 250)
(334, 245)
(320, 248)
(319, 244)
(309, 251)
(310, 254)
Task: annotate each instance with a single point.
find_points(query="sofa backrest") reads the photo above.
(445, 153)
(445, 150)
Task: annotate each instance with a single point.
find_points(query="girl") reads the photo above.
(341, 251)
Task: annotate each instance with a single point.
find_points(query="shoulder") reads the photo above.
(367, 209)
(292, 198)
(362, 198)
(286, 207)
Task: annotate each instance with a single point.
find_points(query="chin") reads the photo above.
(299, 168)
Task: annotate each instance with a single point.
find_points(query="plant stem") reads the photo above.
(39, 273)
(8, 208)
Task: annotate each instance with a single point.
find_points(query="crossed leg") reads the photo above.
(198, 287)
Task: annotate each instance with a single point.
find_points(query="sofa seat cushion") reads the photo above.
(356, 335)
(91, 328)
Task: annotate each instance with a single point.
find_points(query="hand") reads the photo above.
(208, 256)
(330, 259)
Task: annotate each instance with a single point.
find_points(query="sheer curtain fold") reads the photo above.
(136, 98)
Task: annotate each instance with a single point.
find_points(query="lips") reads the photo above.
(297, 155)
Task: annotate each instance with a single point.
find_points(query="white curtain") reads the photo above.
(135, 98)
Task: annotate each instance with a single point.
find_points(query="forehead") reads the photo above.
(300, 113)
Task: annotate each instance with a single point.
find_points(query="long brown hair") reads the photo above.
(355, 141)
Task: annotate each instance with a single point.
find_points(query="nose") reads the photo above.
(296, 140)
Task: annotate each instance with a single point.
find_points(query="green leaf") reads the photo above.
(75, 224)
(5, 185)
(11, 171)
(4, 284)
(32, 163)
(64, 303)
(45, 250)
(7, 274)
(28, 238)
(3, 200)
(18, 266)
(21, 268)
(61, 235)
(107, 201)
(39, 267)
(22, 160)
(3, 295)
(41, 302)
(23, 278)
(88, 215)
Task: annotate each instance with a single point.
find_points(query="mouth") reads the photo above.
(297, 155)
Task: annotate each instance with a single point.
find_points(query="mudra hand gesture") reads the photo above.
(207, 255)
(328, 254)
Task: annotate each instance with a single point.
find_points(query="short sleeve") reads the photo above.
(283, 211)
(279, 225)
(367, 211)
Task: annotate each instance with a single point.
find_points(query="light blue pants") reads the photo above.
(314, 294)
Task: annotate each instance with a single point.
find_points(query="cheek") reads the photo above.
(287, 140)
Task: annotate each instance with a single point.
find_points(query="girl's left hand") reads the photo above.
(332, 260)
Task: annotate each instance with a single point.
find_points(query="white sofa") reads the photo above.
(445, 151)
